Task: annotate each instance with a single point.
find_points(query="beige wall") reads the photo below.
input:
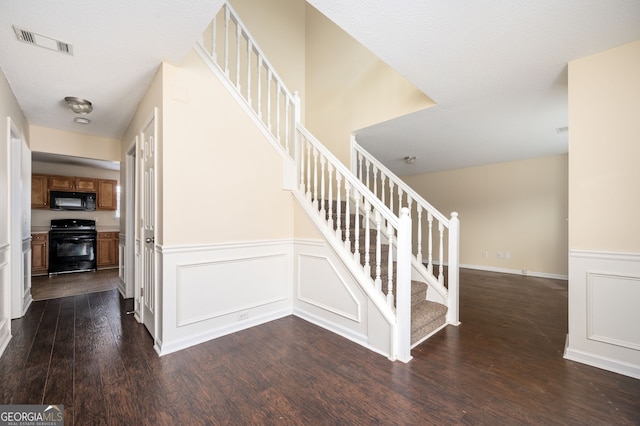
(604, 147)
(145, 112)
(8, 108)
(41, 218)
(279, 28)
(518, 207)
(348, 87)
(222, 180)
(45, 139)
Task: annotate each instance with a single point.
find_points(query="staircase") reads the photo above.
(390, 239)
(427, 317)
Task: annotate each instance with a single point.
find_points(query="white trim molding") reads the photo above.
(604, 310)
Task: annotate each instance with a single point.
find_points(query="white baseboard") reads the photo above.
(601, 362)
(178, 345)
(516, 272)
(358, 338)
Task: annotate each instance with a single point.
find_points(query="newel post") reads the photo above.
(403, 288)
(453, 316)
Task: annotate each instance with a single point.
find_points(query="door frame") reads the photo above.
(140, 198)
(19, 174)
(129, 261)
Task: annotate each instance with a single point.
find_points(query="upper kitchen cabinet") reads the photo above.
(71, 183)
(39, 191)
(107, 194)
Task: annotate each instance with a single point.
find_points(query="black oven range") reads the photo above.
(72, 245)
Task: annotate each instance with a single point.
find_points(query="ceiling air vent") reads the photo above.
(43, 41)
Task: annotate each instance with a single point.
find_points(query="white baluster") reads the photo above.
(356, 228)
(214, 39)
(278, 111)
(382, 190)
(419, 228)
(226, 41)
(322, 194)
(430, 254)
(400, 192)
(347, 217)
(308, 171)
(367, 238)
(302, 146)
(375, 181)
(315, 178)
(390, 194)
(249, 51)
(260, 63)
(441, 258)
(330, 201)
(378, 280)
(368, 164)
(287, 111)
(270, 78)
(338, 206)
(238, 36)
(390, 267)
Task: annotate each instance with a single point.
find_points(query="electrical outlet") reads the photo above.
(507, 255)
(499, 255)
(485, 253)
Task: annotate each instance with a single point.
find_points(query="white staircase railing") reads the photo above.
(431, 230)
(370, 234)
(232, 48)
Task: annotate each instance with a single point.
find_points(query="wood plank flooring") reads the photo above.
(503, 365)
(45, 287)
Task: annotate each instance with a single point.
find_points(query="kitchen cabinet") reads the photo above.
(105, 189)
(39, 253)
(107, 194)
(39, 191)
(72, 183)
(107, 256)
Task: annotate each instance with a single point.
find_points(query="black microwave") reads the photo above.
(61, 200)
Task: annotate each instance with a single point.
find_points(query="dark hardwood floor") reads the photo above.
(503, 365)
(45, 287)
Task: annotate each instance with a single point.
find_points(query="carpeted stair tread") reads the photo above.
(426, 317)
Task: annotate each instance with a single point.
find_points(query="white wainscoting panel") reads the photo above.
(608, 313)
(327, 294)
(324, 287)
(5, 299)
(604, 311)
(213, 290)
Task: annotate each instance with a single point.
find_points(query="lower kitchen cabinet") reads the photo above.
(39, 253)
(108, 250)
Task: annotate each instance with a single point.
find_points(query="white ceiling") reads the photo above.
(117, 48)
(496, 68)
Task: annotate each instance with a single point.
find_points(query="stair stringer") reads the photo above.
(381, 320)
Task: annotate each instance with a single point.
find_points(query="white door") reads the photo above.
(148, 227)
